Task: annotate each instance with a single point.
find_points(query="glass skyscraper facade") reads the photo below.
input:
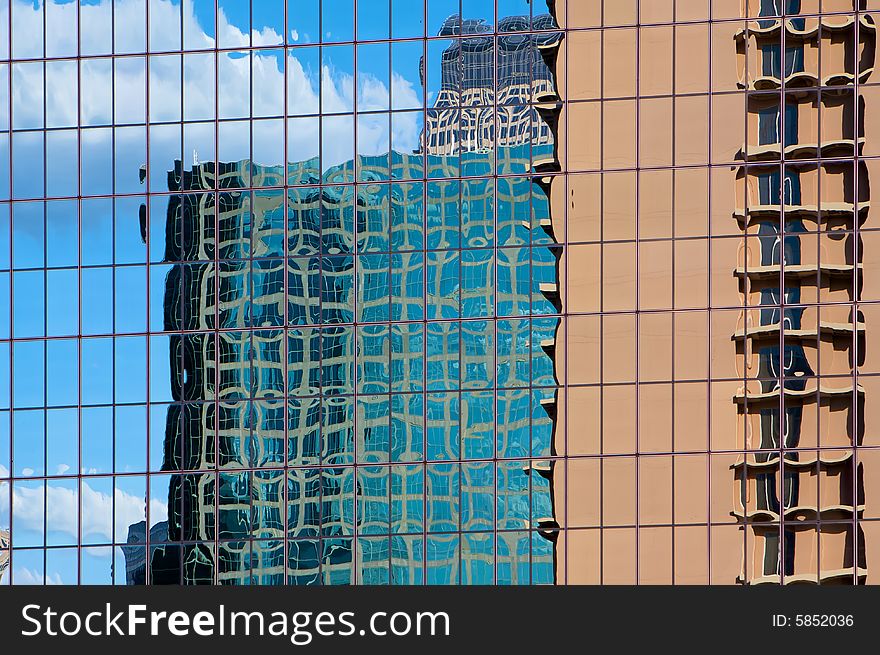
(282, 289)
(438, 292)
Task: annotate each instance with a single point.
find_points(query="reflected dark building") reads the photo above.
(136, 559)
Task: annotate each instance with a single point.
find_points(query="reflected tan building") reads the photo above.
(715, 357)
(799, 485)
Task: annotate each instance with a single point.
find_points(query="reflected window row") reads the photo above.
(338, 220)
(401, 500)
(686, 554)
(59, 237)
(39, 170)
(252, 436)
(690, 202)
(613, 143)
(764, 55)
(617, 286)
(716, 345)
(403, 516)
(440, 427)
(717, 555)
(255, 297)
(135, 25)
(270, 435)
(613, 13)
(118, 92)
(118, 371)
(453, 248)
(504, 558)
(310, 448)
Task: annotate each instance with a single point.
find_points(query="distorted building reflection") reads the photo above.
(331, 325)
(491, 80)
(799, 486)
(136, 555)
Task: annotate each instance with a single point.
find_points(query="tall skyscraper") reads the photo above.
(441, 292)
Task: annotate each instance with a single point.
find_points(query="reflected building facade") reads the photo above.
(491, 82)
(342, 385)
(134, 554)
(800, 494)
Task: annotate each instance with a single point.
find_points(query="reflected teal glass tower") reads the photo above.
(363, 387)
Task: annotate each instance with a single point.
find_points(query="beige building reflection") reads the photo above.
(717, 287)
(799, 335)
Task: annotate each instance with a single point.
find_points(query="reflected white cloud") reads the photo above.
(25, 576)
(62, 509)
(263, 71)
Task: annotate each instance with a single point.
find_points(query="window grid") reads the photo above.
(463, 330)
